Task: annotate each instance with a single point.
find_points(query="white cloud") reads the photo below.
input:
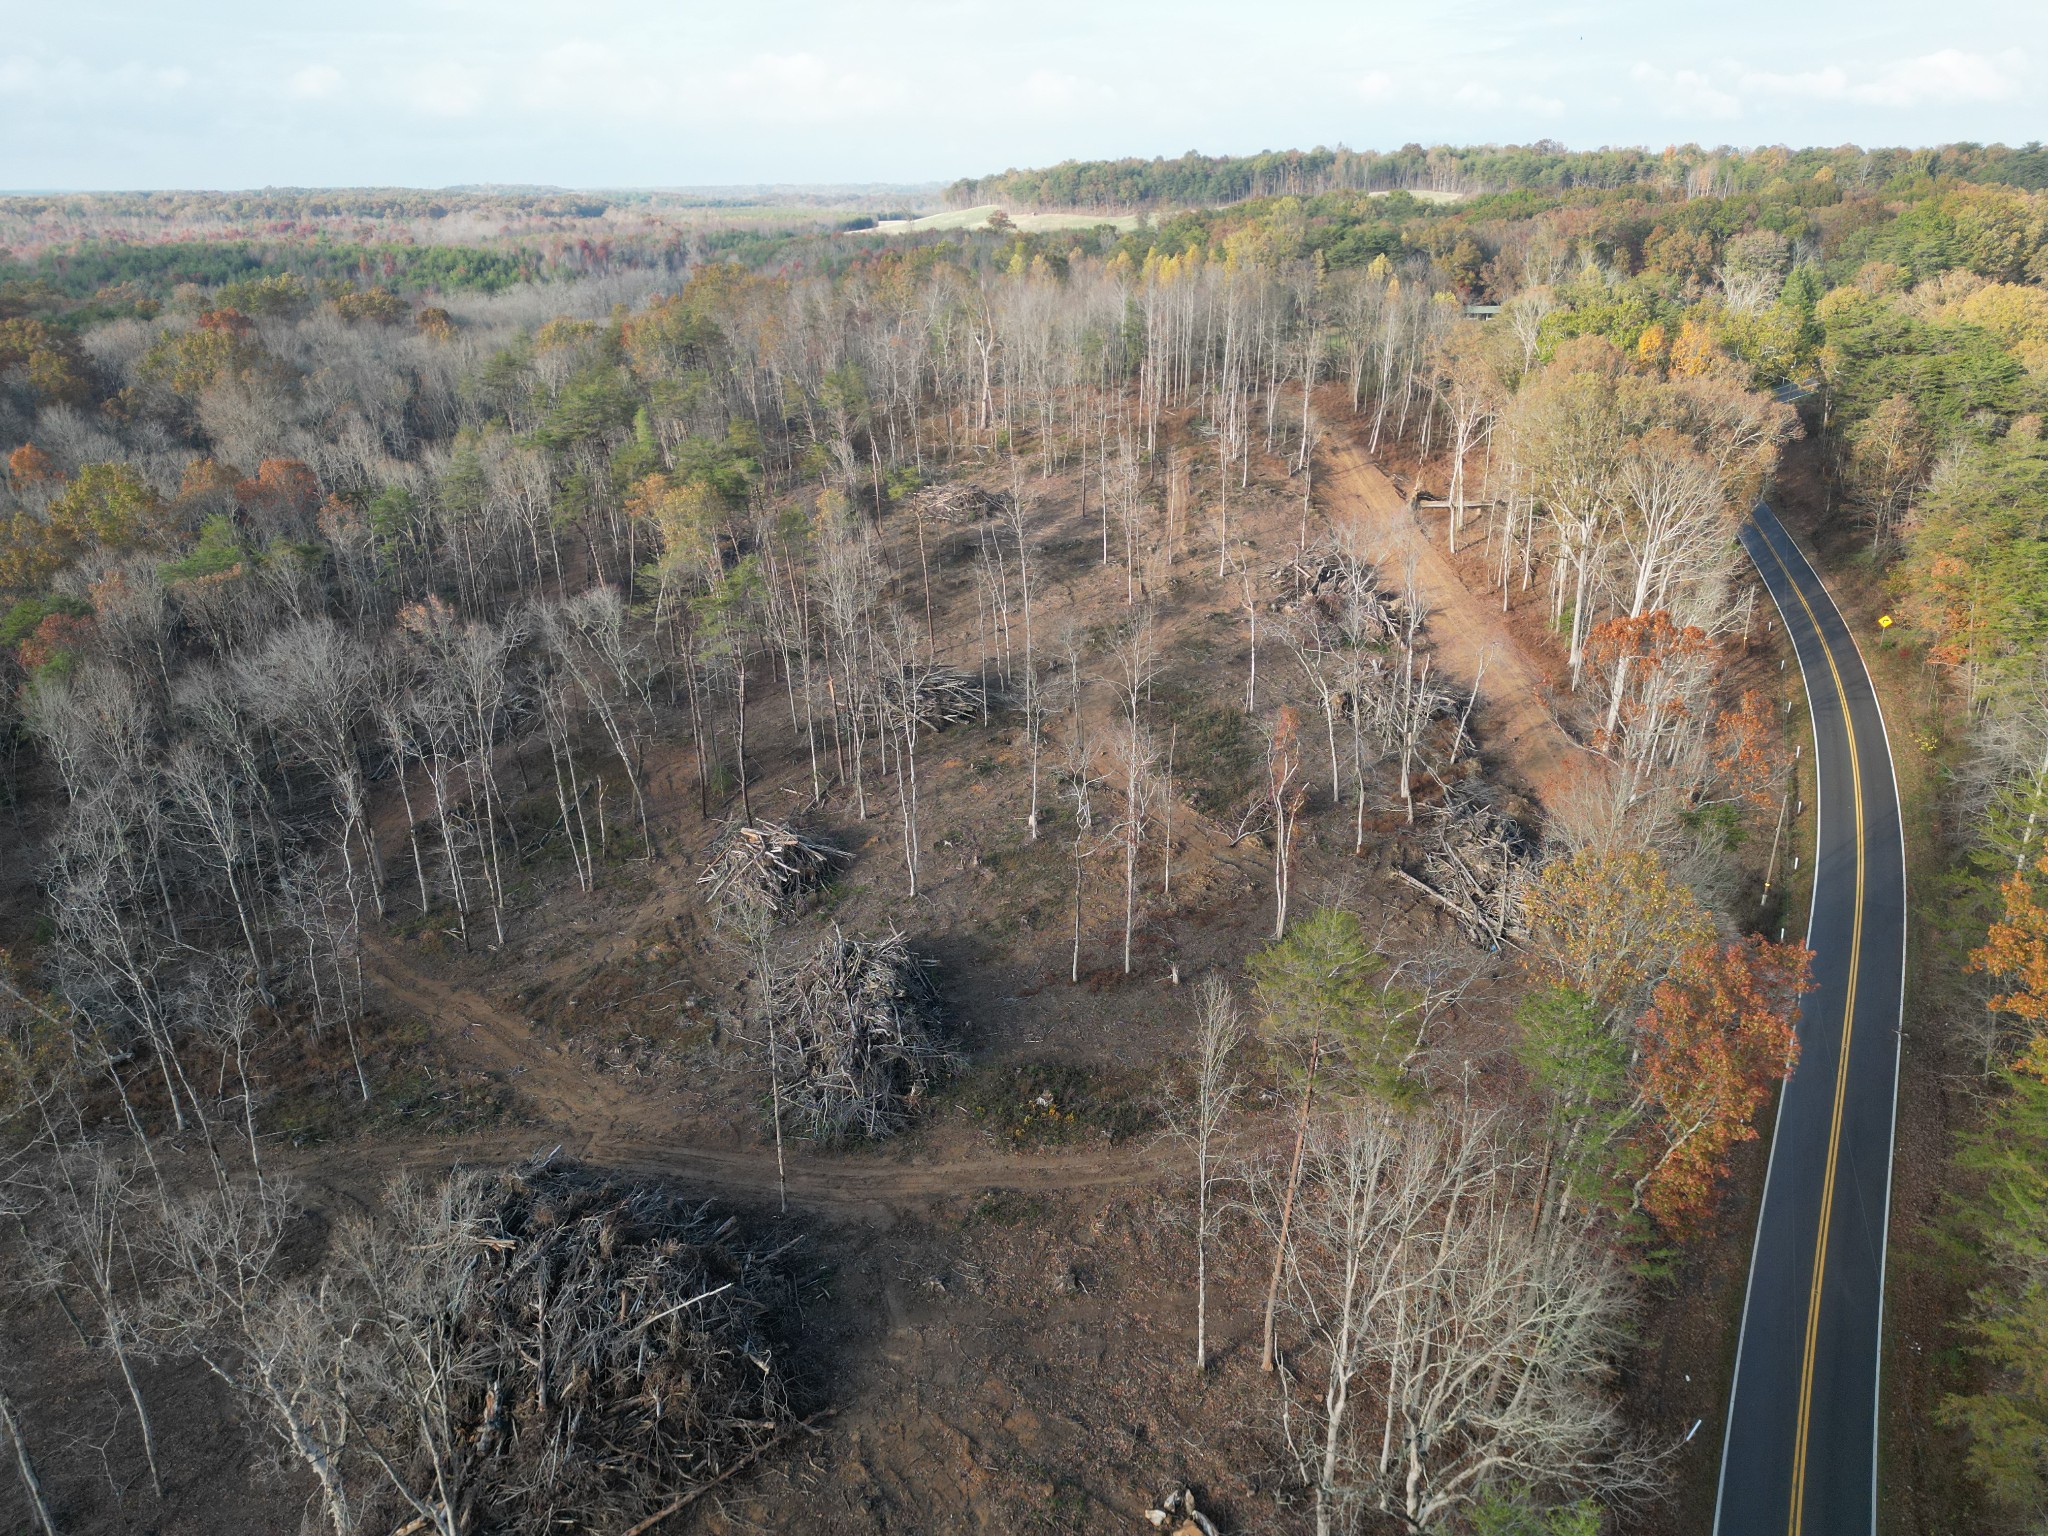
(1830, 83)
(1046, 90)
(605, 87)
(801, 87)
(316, 82)
(446, 90)
(70, 79)
(1947, 76)
(1376, 85)
(1475, 94)
(1686, 93)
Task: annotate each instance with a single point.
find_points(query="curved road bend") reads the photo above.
(1800, 1456)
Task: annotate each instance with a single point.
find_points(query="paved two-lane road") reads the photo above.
(1800, 1456)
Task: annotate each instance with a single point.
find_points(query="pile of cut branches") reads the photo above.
(1340, 590)
(767, 868)
(853, 1034)
(960, 502)
(606, 1349)
(1474, 863)
(939, 696)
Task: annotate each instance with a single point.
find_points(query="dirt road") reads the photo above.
(598, 1118)
(1471, 640)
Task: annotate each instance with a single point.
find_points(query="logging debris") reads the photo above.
(1330, 587)
(613, 1351)
(854, 1037)
(767, 868)
(960, 502)
(1474, 862)
(939, 696)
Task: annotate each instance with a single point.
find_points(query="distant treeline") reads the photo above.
(1208, 180)
(291, 204)
(156, 269)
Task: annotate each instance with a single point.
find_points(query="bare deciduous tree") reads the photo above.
(269, 1340)
(1220, 1031)
(78, 1242)
(1458, 1354)
(31, 1485)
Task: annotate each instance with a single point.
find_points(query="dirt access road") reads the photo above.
(1470, 636)
(601, 1119)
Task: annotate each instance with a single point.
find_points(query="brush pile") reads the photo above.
(765, 870)
(853, 1037)
(939, 696)
(610, 1340)
(960, 503)
(1474, 863)
(1333, 588)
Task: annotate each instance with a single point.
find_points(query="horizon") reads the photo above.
(873, 188)
(111, 95)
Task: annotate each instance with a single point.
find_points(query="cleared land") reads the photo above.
(977, 218)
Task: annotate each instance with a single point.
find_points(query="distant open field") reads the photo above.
(977, 218)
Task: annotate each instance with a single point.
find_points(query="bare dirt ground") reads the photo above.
(1472, 640)
(1003, 1314)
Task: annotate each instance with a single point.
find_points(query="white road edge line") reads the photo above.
(1777, 1123)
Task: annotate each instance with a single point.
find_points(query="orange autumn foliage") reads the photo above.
(2015, 951)
(1749, 749)
(1717, 1036)
(59, 634)
(1648, 652)
(208, 480)
(29, 465)
(285, 489)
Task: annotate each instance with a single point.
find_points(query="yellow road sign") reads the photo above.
(1884, 621)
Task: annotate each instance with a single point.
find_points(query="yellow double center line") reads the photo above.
(1827, 1196)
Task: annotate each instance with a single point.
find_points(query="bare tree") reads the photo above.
(587, 638)
(269, 1340)
(312, 683)
(1419, 703)
(78, 1242)
(1135, 653)
(1219, 1033)
(1888, 460)
(209, 800)
(1457, 1354)
(1078, 784)
(1285, 796)
(1313, 645)
(310, 903)
(1034, 709)
(10, 1430)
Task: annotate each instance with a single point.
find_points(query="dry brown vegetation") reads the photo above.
(797, 841)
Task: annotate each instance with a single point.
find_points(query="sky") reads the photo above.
(139, 94)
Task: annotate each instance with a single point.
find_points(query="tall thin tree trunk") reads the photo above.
(10, 1426)
(1267, 1353)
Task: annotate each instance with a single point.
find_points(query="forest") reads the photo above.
(736, 871)
(1195, 180)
